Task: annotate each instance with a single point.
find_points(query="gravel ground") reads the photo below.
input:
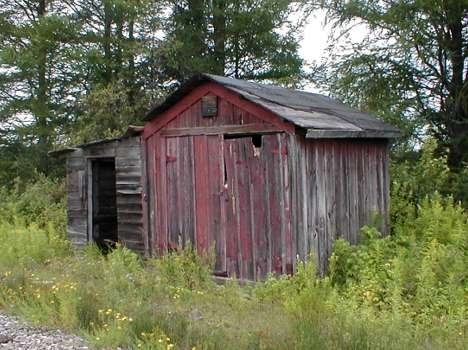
(15, 335)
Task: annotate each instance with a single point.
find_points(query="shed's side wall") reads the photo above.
(128, 172)
(337, 186)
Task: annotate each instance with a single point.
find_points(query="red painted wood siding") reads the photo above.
(230, 196)
(258, 227)
(233, 110)
(221, 193)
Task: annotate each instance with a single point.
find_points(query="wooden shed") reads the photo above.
(104, 192)
(260, 174)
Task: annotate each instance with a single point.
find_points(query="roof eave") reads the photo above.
(345, 134)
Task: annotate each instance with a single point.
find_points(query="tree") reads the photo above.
(117, 42)
(34, 82)
(252, 39)
(71, 71)
(412, 67)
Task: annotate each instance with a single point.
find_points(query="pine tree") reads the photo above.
(117, 41)
(245, 39)
(35, 84)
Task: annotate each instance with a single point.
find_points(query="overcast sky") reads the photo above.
(315, 37)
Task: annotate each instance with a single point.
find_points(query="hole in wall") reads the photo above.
(256, 139)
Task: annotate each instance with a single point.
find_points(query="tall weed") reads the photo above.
(405, 290)
(41, 203)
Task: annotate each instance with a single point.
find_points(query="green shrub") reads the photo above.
(405, 290)
(23, 247)
(412, 181)
(41, 203)
(418, 273)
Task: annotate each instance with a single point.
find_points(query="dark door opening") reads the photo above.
(104, 208)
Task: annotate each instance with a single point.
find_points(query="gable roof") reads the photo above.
(319, 115)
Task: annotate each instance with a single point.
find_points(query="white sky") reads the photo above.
(315, 37)
(315, 40)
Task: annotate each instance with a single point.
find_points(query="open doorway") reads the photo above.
(104, 207)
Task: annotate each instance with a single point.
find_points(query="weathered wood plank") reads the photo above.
(216, 239)
(231, 211)
(273, 168)
(242, 153)
(225, 129)
(203, 215)
(172, 159)
(345, 134)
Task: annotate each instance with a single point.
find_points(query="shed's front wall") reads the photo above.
(128, 172)
(216, 190)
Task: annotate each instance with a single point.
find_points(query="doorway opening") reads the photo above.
(104, 203)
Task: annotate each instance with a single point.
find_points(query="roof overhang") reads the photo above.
(318, 115)
(132, 130)
(345, 134)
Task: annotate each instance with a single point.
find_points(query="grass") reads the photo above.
(405, 291)
(120, 300)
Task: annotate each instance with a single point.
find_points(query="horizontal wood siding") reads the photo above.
(128, 171)
(337, 186)
(128, 166)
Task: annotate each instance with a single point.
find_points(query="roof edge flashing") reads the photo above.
(345, 134)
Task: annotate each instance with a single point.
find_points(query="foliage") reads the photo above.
(36, 93)
(116, 44)
(109, 112)
(187, 270)
(417, 273)
(40, 203)
(247, 39)
(413, 180)
(406, 290)
(77, 70)
(410, 68)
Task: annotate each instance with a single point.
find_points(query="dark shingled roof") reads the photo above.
(319, 115)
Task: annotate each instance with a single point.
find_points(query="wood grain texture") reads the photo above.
(346, 187)
(261, 208)
(129, 169)
(127, 154)
(245, 129)
(243, 112)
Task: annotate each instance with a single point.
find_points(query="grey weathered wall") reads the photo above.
(337, 186)
(128, 164)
